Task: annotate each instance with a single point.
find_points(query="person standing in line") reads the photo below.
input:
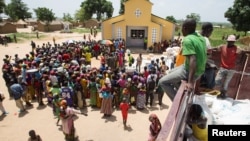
(93, 90)
(139, 62)
(140, 100)
(67, 94)
(78, 93)
(150, 87)
(96, 49)
(194, 49)
(26, 95)
(229, 54)
(154, 128)
(88, 57)
(124, 106)
(66, 115)
(130, 59)
(159, 91)
(17, 92)
(2, 97)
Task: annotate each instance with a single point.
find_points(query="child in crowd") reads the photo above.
(124, 106)
(126, 95)
(154, 128)
(34, 136)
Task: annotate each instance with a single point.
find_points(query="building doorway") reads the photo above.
(135, 37)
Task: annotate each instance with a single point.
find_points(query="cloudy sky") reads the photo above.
(209, 10)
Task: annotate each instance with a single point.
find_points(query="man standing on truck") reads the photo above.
(228, 60)
(194, 49)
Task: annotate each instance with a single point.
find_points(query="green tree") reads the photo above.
(195, 16)
(2, 6)
(171, 18)
(16, 9)
(46, 15)
(81, 15)
(67, 17)
(98, 7)
(122, 10)
(239, 15)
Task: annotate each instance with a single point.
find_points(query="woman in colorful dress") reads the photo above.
(133, 89)
(67, 115)
(84, 82)
(93, 92)
(140, 101)
(122, 84)
(120, 59)
(106, 107)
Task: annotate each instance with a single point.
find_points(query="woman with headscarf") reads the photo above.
(67, 114)
(140, 102)
(106, 107)
(93, 92)
(154, 128)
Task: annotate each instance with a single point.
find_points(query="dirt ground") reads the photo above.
(15, 126)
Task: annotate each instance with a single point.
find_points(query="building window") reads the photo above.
(137, 13)
(154, 35)
(137, 34)
(119, 33)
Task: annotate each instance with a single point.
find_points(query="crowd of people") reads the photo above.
(63, 75)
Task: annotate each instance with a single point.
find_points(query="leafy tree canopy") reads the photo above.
(171, 18)
(99, 7)
(44, 14)
(81, 16)
(2, 6)
(122, 10)
(239, 15)
(195, 16)
(16, 10)
(67, 17)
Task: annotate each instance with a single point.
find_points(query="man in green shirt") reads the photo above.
(194, 49)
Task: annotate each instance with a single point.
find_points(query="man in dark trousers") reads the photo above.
(194, 49)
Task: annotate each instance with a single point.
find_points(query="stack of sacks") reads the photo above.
(220, 108)
(227, 111)
(176, 50)
(203, 100)
(170, 51)
(238, 113)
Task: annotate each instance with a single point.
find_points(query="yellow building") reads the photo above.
(138, 23)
